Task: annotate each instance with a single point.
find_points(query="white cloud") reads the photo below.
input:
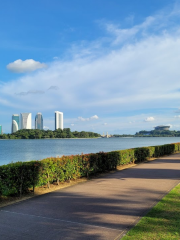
(149, 119)
(72, 124)
(88, 119)
(158, 24)
(29, 65)
(45, 127)
(83, 119)
(178, 116)
(129, 70)
(94, 117)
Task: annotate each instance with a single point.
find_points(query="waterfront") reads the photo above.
(36, 149)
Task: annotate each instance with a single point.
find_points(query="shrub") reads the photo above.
(17, 178)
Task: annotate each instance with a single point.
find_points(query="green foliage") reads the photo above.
(17, 178)
(38, 134)
(153, 133)
(126, 156)
(157, 133)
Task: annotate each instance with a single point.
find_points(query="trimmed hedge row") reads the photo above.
(17, 178)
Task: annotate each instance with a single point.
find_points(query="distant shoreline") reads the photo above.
(47, 138)
(91, 138)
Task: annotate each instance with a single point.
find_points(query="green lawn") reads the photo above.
(162, 222)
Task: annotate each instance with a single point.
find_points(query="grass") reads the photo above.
(162, 222)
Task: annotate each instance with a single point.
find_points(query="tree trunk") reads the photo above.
(48, 181)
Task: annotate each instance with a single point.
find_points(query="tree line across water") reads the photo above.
(158, 133)
(66, 133)
(153, 133)
(38, 134)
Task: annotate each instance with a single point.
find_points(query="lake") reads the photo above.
(36, 149)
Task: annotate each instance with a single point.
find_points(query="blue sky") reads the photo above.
(108, 65)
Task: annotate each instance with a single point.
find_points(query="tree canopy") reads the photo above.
(158, 133)
(38, 134)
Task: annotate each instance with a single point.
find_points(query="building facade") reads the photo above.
(15, 123)
(58, 120)
(39, 121)
(26, 120)
(0, 129)
(162, 128)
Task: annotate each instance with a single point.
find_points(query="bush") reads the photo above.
(17, 178)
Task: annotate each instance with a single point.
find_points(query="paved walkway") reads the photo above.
(100, 209)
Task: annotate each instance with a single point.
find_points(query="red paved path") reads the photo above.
(100, 209)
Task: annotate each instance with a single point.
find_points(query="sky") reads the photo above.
(109, 66)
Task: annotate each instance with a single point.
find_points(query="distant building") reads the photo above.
(15, 123)
(39, 121)
(162, 128)
(106, 136)
(0, 129)
(58, 120)
(26, 120)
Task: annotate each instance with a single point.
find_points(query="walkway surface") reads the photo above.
(100, 209)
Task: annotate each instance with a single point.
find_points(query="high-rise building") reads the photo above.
(39, 121)
(25, 120)
(0, 129)
(58, 120)
(15, 123)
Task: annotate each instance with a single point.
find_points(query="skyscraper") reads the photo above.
(58, 120)
(39, 121)
(0, 129)
(15, 123)
(25, 120)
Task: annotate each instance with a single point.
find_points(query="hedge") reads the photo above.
(17, 178)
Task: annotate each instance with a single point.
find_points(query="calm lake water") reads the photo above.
(36, 149)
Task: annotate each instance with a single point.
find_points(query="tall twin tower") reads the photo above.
(23, 121)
